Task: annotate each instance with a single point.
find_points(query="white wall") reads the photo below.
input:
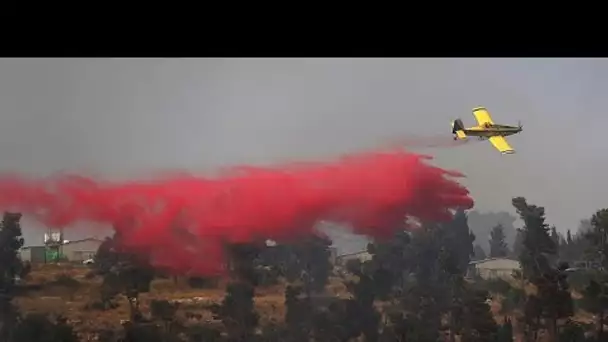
(497, 268)
(362, 256)
(25, 254)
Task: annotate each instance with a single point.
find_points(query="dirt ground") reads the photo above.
(73, 302)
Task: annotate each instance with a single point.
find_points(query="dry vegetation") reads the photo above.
(46, 294)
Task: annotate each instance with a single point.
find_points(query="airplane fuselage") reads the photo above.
(493, 130)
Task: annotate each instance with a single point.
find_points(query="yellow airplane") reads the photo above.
(486, 129)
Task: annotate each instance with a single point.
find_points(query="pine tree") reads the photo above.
(556, 239)
(478, 324)
(457, 241)
(598, 237)
(552, 300)
(470, 314)
(313, 254)
(595, 301)
(124, 271)
(498, 246)
(298, 314)
(10, 267)
(38, 327)
(479, 253)
(518, 244)
(595, 298)
(237, 310)
(361, 317)
(425, 294)
(505, 332)
(462, 238)
(574, 332)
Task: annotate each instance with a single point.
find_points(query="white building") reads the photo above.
(361, 256)
(494, 268)
(80, 250)
(75, 250)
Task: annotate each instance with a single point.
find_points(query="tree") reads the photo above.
(468, 312)
(536, 242)
(298, 314)
(458, 233)
(595, 301)
(164, 311)
(574, 332)
(584, 226)
(478, 253)
(126, 271)
(552, 300)
(10, 267)
(307, 261)
(363, 315)
(428, 295)
(554, 235)
(481, 225)
(556, 239)
(576, 247)
(505, 331)
(360, 316)
(498, 246)
(518, 244)
(598, 237)
(313, 254)
(595, 298)
(391, 264)
(478, 324)
(38, 327)
(237, 310)
(426, 270)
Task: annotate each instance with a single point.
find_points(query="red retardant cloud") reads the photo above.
(184, 221)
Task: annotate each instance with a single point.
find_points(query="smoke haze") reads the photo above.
(120, 119)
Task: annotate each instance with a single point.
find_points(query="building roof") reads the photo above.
(66, 243)
(474, 262)
(83, 240)
(353, 254)
(29, 247)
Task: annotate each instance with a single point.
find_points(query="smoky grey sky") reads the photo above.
(127, 118)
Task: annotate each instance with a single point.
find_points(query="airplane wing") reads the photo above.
(501, 144)
(482, 116)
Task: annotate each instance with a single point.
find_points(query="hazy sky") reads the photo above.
(133, 117)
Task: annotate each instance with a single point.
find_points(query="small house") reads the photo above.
(80, 250)
(493, 268)
(33, 254)
(361, 256)
(73, 251)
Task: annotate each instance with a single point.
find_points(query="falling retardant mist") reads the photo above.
(184, 221)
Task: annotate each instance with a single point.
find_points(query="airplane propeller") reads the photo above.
(520, 125)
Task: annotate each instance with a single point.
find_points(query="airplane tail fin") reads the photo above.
(458, 129)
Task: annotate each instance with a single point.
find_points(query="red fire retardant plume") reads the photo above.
(184, 221)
